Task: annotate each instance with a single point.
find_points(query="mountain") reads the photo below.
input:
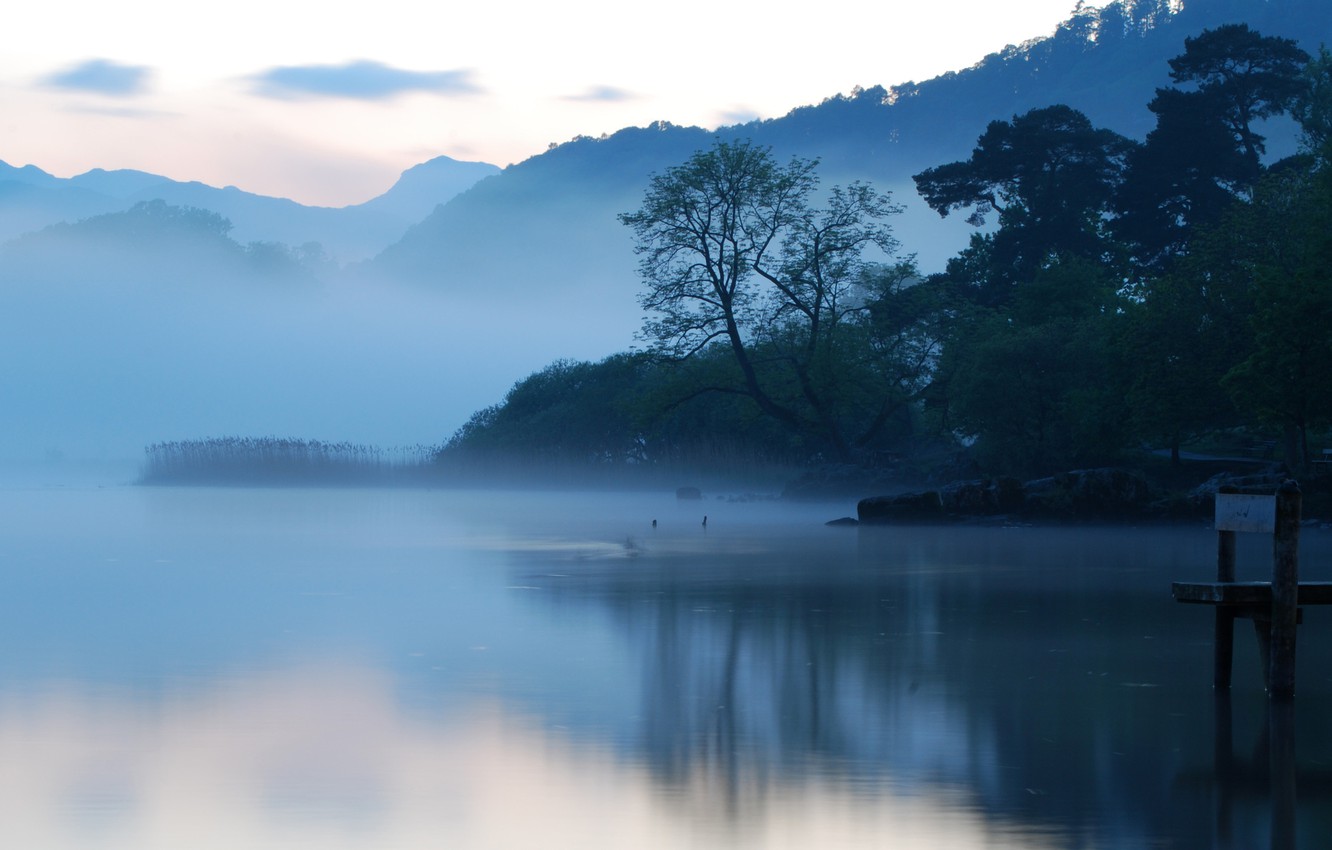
(31, 199)
(153, 324)
(423, 187)
(150, 245)
(550, 223)
(543, 238)
(158, 323)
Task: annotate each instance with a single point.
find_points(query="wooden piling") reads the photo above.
(1285, 590)
(1226, 769)
(1274, 607)
(1282, 776)
(1225, 616)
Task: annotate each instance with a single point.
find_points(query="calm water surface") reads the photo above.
(388, 669)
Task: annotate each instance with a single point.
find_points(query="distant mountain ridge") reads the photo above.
(452, 302)
(1106, 62)
(30, 199)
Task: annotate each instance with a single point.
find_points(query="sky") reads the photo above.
(328, 102)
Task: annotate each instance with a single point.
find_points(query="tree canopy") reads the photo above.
(1247, 76)
(1118, 294)
(1206, 150)
(733, 251)
(1049, 174)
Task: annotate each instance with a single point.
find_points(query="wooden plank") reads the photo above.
(1244, 512)
(1247, 592)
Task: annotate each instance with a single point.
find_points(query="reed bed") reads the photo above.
(278, 461)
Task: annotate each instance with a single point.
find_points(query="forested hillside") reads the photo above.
(1122, 294)
(557, 210)
(533, 266)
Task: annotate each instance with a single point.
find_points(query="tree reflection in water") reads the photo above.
(1042, 677)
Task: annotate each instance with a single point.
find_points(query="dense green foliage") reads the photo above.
(1191, 295)
(629, 413)
(1129, 294)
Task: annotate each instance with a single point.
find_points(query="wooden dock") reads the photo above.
(1273, 606)
(1253, 596)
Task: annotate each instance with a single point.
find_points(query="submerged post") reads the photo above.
(1282, 774)
(1285, 590)
(1225, 616)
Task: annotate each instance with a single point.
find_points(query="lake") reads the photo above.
(388, 669)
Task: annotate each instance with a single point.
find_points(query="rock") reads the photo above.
(1203, 497)
(688, 493)
(1084, 494)
(846, 520)
(983, 497)
(904, 508)
(986, 497)
(1200, 502)
(1090, 494)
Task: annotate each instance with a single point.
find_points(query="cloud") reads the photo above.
(602, 94)
(360, 80)
(123, 112)
(102, 76)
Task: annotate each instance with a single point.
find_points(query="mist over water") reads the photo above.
(381, 668)
(114, 338)
(98, 370)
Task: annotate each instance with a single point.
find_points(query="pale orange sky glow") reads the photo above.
(327, 104)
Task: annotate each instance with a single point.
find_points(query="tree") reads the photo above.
(1286, 380)
(1050, 176)
(1205, 150)
(1182, 335)
(574, 413)
(629, 414)
(1249, 77)
(1037, 385)
(733, 252)
(1183, 177)
(1313, 109)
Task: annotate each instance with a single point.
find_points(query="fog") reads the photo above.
(925, 235)
(158, 325)
(96, 369)
(107, 350)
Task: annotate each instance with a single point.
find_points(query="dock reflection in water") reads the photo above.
(1269, 776)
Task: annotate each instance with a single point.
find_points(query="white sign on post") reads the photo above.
(1235, 512)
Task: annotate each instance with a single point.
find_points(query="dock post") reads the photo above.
(1282, 774)
(1223, 756)
(1224, 644)
(1285, 590)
